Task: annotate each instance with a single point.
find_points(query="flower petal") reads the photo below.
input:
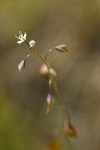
(25, 35)
(21, 37)
(19, 42)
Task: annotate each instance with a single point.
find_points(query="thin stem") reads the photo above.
(62, 107)
(59, 95)
(50, 50)
(42, 58)
(57, 91)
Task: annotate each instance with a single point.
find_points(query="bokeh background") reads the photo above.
(23, 121)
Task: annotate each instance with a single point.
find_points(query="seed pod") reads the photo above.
(61, 48)
(70, 130)
(44, 71)
(21, 65)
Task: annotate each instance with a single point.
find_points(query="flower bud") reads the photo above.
(32, 43)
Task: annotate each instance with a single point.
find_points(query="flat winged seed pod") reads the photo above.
(21, 65)
(61, 48)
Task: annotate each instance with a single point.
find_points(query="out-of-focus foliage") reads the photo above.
(13, 128)
(23, 120)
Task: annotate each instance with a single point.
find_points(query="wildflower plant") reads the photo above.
(50, 75)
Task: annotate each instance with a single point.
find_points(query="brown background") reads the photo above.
(76, 23)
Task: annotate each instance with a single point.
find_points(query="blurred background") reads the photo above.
(23, 121)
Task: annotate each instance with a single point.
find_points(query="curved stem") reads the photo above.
(42, 58)
(64, 114)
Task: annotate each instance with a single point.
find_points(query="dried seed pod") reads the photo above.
(69, 129)
(61, 48)
(21, 65)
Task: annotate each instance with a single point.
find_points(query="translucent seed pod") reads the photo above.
(44, 72)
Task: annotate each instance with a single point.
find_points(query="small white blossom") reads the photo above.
(32, 43)
(21, 37)
(21, 65)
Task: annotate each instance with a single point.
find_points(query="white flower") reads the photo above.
(32, 43)
(21, 37)
(21, 65)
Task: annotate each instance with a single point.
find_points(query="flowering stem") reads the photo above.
(50, 73)
(59, 98)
